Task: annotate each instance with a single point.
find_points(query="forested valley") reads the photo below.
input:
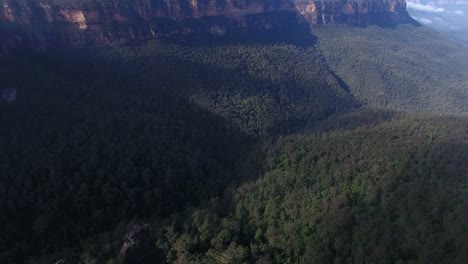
(233, 153)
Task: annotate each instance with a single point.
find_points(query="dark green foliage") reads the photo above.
(77, 160)
(99, 137)
(262, 89)
(389, 193)
(236, 153)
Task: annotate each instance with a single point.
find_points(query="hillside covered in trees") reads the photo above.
(407, 68)
(239, 152)
(393, 192)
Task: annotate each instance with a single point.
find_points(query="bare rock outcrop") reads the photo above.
(117, 21)
(139, 247)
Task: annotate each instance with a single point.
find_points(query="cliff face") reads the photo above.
(111, 20)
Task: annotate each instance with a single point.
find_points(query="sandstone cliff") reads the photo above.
(106, 21)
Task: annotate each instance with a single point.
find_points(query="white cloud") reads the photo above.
(459, 12)
(441, 21)
(425, 8)
(423, 20)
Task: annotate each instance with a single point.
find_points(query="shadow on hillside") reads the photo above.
(190, 97)
(354, 118)
(267, 28)
(387, 22)
(119, 87)
(190, 151)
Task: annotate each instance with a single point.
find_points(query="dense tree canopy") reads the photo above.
(389, 193)
(234, 153)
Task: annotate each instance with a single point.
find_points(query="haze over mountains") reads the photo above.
(305, 131)
(446, 16)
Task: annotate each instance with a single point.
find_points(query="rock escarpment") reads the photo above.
(139, 247)
(120, 20)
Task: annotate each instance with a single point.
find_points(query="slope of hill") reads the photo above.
(79, 158)
(140, 131)
(251, 147)
(393, 192)
(408, 67)
(389, 191)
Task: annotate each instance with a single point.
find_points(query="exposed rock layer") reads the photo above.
(111, 20)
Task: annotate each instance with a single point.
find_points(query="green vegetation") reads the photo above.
(262, 89)
(407, 68)
(389, 193)
(76, 161)
(99, 137)
(245, 153)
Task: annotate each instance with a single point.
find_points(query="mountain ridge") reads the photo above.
(118, 21)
